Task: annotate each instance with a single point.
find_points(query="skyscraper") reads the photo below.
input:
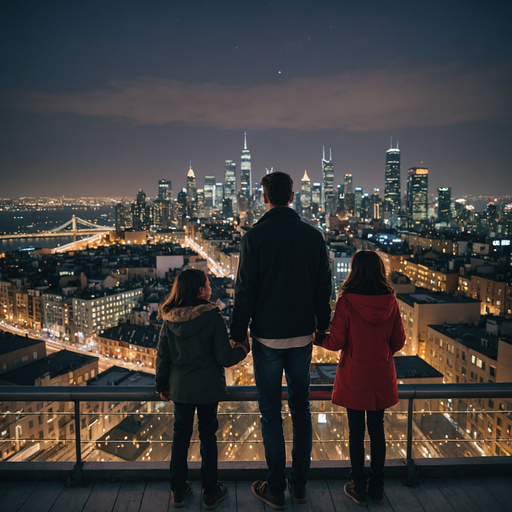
(316, 194)
(444, 201)
(358, 197)
(417, 193)
(230, 183)
(141, 212)
(191, 185)
(305, 195)
(219, 194)
(328, 183)
(392, 180)
(165, 190)
(347, 184)
(209, 191)
(305, 191)
(245, 171)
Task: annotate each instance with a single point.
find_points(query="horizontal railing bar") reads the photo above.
(239, 393)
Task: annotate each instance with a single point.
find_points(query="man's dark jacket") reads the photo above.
(284, 279)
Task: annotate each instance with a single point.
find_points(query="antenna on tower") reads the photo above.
(190, 163)
(245, 140)
(330, 154)
(391, 143)
(323, 155)
(397, 142)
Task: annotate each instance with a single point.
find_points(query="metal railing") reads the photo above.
(79, 394)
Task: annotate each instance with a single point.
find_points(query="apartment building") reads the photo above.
(493, 290)
(36, 427)
(93, 312)
(130, 343)
(430, 275)
(419, 310)
(16, 351)
(469, 353)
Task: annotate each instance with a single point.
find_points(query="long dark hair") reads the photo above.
(367, 271)
(185, 291)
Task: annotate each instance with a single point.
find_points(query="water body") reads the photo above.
(30, 221)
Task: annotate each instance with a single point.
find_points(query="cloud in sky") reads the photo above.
(357, 101)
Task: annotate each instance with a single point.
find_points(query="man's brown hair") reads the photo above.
(278, 187)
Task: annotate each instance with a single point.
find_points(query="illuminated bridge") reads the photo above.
(69, 228)
(107, 449)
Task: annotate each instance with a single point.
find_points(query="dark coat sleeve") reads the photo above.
(323, 290)
(246, 288)
(163, 361)
(225, 354)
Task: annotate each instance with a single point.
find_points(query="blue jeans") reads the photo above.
(356, 425)
(183, 425)
(269, 364)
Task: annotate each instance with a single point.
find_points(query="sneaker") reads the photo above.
(298, 493)
(261, 491)
(356, 492)
(179, 495)
(210, 501)
(376, 489)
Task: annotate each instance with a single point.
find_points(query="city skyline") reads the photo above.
(100, 99)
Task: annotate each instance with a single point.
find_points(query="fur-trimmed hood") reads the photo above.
(186, 322)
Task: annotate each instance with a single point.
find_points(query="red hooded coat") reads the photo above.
(368, 329)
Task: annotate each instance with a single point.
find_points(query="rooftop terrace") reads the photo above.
(445, 494)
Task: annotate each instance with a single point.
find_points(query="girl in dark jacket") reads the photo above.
(193, 350)
(367, 327)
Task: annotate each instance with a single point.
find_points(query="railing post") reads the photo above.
(411, 467)
(78, 447)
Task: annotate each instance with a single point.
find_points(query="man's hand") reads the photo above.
(164, 395)
(319, 337)
(244, 344)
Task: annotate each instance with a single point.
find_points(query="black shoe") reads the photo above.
(261, 491)
(356, 492)
(298, 493)
(179, 495)
(210, 501)
(376, 489)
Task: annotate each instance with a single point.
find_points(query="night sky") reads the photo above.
(104, 98)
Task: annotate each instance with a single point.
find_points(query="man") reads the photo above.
(283, 288)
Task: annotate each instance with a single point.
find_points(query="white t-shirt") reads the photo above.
(300, 341)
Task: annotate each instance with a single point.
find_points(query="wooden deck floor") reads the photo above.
(442, 495)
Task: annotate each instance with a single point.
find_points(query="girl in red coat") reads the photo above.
(368, 329)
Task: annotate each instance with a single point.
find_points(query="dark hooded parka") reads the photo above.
(368, 329)
(193, 349)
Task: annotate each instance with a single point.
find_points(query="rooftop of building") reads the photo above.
(140, 335)
(107, 292)
(399, 278)
(11, 342)
(56, 364)
(471, 336)
(413, 367)
(122, 377)
(426, 297)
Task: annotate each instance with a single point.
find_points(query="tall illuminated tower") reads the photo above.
(444, 201)
(209, 191)
(245, 171)
(347, 184)
(417, 193)
(191, 185)
(165, 190)
(230, 183)
(392, 180)
(305, 191)
(328, 182)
